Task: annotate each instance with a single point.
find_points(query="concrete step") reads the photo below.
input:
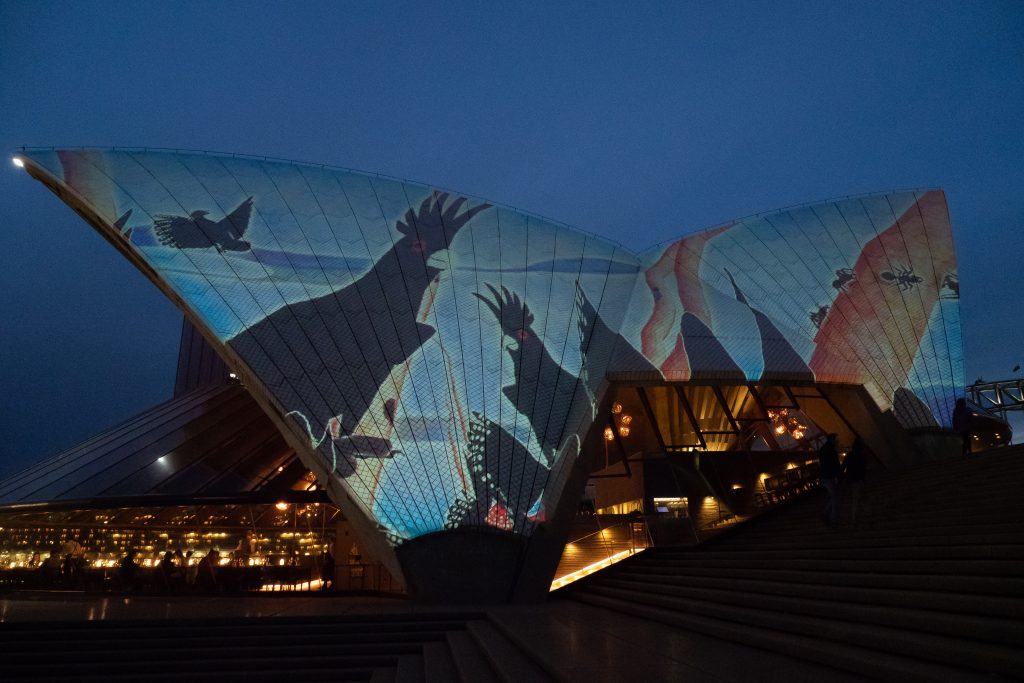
(953, 652)
(1003, 552)
(1009, 586)
(382, 648)
(511, 665)
(853, 539)
(385, 675)
(138, 630)
(962, 568)
(845, 656)
(337, 642)
(830, 605)
(807, 513)
(120, 653)
(184, 664)
(885, 591)
(438, 664)
(409, 669)
(470, 663)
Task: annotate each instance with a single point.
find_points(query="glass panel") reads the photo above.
(707, 409)
(774, 396)
(673, 423)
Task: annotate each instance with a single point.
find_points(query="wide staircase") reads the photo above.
(400, 648)
(928, 586)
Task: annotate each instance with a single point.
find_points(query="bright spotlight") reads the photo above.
(18, 162)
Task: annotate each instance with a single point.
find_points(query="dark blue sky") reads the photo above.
(638, 121)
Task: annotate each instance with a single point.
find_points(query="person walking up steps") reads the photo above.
(854, 468)
(828, 460)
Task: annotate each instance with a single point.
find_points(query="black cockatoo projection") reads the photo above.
(334, 352)
(196, 231)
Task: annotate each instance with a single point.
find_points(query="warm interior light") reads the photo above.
(623, 431)
(609, 435)
(18, 162)
(626, 419)
(591, 568)
(616, 408)
(736, 487)
(281, 506)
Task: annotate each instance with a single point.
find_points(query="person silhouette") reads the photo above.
(828, 460)
(962, 424)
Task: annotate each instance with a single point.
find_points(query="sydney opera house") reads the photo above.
(440, 376)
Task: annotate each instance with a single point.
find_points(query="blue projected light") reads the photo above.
(441, 358)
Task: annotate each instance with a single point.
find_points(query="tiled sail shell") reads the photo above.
(437, 360)
(436, 356)
(858, 291)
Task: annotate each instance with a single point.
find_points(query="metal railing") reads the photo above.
(602, 548)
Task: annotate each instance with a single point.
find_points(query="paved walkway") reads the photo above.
(579, 642)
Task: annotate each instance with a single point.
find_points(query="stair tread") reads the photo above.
(469, 660)
(437, 663)
(1005, 630)
(507, 660)
(859, 660)
(940, 648)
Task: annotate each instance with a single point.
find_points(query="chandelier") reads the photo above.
(784, 423)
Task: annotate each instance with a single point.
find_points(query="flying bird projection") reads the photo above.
(196, 231)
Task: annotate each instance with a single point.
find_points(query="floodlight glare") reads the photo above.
(18, 162)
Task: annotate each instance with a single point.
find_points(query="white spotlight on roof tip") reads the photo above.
(18, 162)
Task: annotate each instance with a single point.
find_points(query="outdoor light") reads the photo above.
(616, 408)
(232, 375)
(281, 506)
(626, 420)
(609, 435)
(623, 431)
(18, 162)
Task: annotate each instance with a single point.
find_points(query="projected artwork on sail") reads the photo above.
(441, 359)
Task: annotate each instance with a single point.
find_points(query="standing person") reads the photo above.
(191, 570)
(245, 549)
(165, 571)
(206, 576)
(962, 424)
(854, 468)
(73, 552)
(326, 570)
(828, 460)
(178, 573)
(129, 573)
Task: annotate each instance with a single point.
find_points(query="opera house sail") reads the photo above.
(438, 361)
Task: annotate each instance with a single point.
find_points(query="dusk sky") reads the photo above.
(636, 121)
